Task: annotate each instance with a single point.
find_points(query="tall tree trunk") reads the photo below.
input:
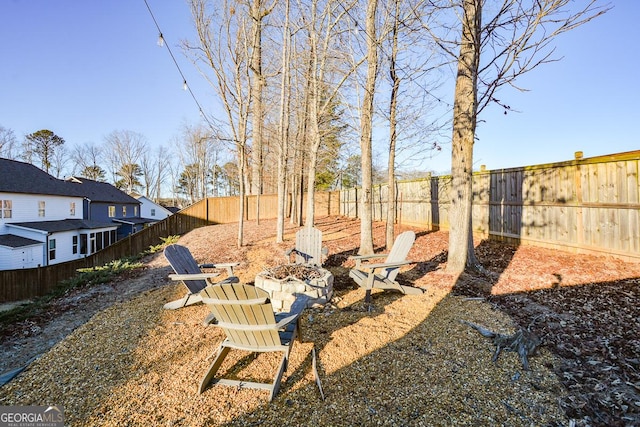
(257, 88)
(285, 90)
(312, 133)
(241, 197)
(366, 121)
(464, 126)
(314, 138)
(393, 107)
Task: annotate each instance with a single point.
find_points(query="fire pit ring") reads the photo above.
(284, 281)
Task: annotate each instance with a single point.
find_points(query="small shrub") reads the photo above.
(166, 241)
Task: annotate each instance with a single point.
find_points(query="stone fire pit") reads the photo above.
(283, 281)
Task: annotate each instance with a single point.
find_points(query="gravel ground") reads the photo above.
(409, 361)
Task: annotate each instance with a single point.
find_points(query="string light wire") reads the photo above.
(185, 86)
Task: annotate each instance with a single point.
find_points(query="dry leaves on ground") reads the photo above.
(408, 361)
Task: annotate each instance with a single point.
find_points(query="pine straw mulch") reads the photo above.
(408, 361)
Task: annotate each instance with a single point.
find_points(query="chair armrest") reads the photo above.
(227, 265)
(359, 258)
(365, 257)
(380, 266)
(197, 276)
(295, 251)
(299, 304)
(295, 311)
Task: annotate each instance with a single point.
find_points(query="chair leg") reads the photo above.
(316, 376)
(211, 318)
(213, 369)
(278, 377)
(368, 287)
(186, 300)
(297, 332)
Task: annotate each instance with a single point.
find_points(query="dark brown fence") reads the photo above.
(16, 285)
(585, 205)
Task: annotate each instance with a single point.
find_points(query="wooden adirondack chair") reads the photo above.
(189, 272)
(383, 275)
(247, 318)
(308, 249)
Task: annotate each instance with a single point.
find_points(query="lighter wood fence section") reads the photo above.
(583, 205)
(16, 285)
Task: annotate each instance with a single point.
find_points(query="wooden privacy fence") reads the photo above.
(586, 205)
(16, 285)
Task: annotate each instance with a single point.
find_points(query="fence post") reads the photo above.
(577, 180)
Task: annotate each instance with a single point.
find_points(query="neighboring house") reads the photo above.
(43, 219)
(150, 209)
(104, 202)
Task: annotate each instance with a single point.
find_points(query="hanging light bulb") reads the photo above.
(184, 85)
(160, 40)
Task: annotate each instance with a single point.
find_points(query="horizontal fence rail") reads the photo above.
(23, 284)
(586, 205)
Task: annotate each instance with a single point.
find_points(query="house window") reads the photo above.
(135, 211)
(72, 208)
(112, 211)
(75, 244)
(52, 249)
(153, 212)
(6, 208)
(124, 211)
(99, 241)
(83, 244)
(92, 242)
(41, 208)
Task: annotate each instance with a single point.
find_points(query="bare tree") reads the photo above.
(8, 143)
(222, 49)
(393, 122)
(197, 154)
(123, 150)
(283, 128)
(366, 123)
(87, 159)
(327, 73)
(516, 39)
(410, 80)
(59, 161)
(154, 171)
(257, 12)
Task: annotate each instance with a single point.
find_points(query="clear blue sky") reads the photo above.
(84, 68)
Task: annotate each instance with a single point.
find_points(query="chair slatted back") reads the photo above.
(242, 311)
(183, 262)
(309, 243)
(399, 252)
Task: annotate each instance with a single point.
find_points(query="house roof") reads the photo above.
(135, 220)
(97, 191)
(20, 177)
(62, 225)
(13, 241)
